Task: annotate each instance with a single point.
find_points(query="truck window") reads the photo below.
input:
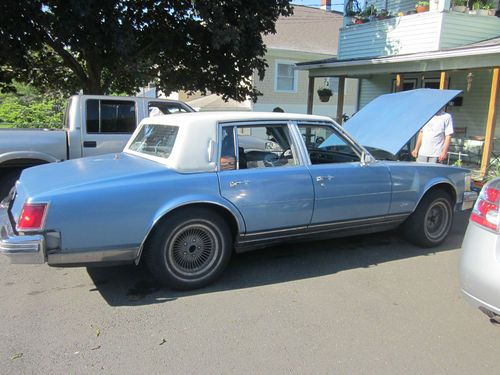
(162, 108)
(111, 116)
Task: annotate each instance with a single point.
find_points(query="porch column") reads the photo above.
(443, 81)
(490, 123)
(399, 83)
(310, 96)
(340, 99)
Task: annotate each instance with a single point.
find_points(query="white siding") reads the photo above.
(460, 29)
(394, 36)
(374, 87)
(423, 32)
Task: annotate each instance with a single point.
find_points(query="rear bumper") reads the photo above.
(468, 200)
(20, 249)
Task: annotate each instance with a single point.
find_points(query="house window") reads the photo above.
(286, 77)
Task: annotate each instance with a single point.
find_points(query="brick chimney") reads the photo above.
(326, 5)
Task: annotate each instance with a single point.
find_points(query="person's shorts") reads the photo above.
(427, 159)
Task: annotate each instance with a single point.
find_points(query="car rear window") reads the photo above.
(155, 140)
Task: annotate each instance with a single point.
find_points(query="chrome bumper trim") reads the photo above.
(20, 249)
(468, 200)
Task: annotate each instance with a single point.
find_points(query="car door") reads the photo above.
(262, 174)
(345, 189)
(108, 125)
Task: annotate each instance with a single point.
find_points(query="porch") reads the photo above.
(473, 69)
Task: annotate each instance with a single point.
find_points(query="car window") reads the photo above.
(164, 108)
(261, 146)
(111, 116)
(155, 140)
(325, 145)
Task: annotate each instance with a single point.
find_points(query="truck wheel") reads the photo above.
(430, 223)
(7, 181)
(189, 249)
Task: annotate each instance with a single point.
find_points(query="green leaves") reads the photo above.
(104, 46)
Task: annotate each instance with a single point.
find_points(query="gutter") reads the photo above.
(477, 51)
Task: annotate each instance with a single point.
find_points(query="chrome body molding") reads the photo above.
(325, 230)
(88, 257)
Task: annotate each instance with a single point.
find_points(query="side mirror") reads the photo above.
(366, 159)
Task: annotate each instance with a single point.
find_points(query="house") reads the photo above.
(309, 34)
(438, 48)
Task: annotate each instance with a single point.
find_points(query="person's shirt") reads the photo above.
(434, 134)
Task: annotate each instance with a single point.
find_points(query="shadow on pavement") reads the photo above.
(134, 286)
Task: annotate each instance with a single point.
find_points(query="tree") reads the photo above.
(104, 46)
(29, 108)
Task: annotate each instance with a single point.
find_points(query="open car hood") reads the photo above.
(390, 121)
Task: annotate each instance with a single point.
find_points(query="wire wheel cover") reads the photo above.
(193, 249)
(437, 220)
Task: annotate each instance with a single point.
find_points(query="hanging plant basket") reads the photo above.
(324, 94)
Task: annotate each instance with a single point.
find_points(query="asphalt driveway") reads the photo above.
(373, 304)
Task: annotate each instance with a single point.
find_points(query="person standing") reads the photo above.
(434, 139)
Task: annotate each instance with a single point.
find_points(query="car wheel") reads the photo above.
(189, 249)
(430, 223)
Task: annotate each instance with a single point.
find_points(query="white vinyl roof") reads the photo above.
(196, 141)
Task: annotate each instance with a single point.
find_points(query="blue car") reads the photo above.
(190, 189)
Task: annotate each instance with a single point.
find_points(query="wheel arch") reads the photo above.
(25, 159)
(229, 214)
(444, 185)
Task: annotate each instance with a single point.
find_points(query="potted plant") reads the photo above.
(489, 8)
(369, 12)
(324, 94)
(422, 6)
(382, 14)
(476, 6)
(460, 6)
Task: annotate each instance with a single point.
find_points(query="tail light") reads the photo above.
(486, 210)
(32, 216)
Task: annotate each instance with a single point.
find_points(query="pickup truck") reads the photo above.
(93, 125)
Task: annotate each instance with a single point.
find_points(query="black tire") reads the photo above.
(7, 181)
(430, 223)
(189, 249)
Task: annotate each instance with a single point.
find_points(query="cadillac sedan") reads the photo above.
(190, 189)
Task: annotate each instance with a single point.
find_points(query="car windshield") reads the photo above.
(155, 140)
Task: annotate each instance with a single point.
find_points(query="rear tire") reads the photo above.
(189, 249)
(430, 223)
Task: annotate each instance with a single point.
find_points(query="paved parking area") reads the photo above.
(369, 305)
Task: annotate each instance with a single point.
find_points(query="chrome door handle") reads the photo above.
(236, 183)
(323, 178)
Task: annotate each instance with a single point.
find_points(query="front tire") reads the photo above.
(430, 223)
(189, 249)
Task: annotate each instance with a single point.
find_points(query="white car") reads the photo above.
(480, 258)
